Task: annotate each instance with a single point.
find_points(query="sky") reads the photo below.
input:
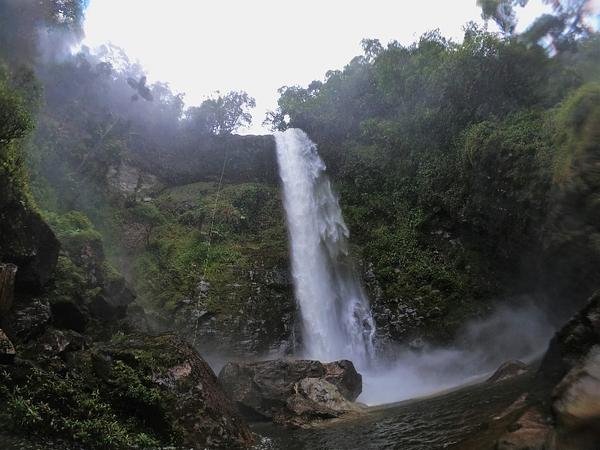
(200, 47)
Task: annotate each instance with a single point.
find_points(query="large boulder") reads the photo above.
(28, 321)
(285, 388)
(566, 391)
(190, 400)
(28, 242)
(112, 302)
(571, 345)
(344, 376)
(577, 397)
(314, 400)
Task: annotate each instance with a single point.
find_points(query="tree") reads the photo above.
(222, 115)
(29, 28)
(149, 216)
(560, 28)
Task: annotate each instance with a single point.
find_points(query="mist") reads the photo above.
(509, 333)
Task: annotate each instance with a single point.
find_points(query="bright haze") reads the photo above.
(200, 47)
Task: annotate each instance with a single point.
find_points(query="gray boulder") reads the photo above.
(295, 392)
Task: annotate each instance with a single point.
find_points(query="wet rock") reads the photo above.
(313, 401)
(530, 432)
(7, 287)
(566, 390)
(7, 349)
(343, 375)
(270, 389)
(28, 321)
(261, 389)
(508, 370)
(577, 397)
(570, 347)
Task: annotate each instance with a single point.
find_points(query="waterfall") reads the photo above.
(335, 313)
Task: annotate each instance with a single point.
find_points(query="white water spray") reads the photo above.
(336, 318)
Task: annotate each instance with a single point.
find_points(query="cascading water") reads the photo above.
(336, 318)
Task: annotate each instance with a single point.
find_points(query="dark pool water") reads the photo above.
(440, 422)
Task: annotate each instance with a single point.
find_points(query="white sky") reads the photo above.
(201, 46)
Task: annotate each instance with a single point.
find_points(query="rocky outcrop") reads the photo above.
(189, 390)
(131, 182)
(566, 396)
(113, 301)
(263, 324)
(28, 242)
(7, 287)
(249, 158)
(28, 321)
(314, 400)
(576, 402)
(294, 392)
(345, 378)
(508, 370)
(571, 345)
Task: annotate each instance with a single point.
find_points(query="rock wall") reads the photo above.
(564, 405)
(249, 159)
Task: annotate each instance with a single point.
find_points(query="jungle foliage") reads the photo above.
(463, 167)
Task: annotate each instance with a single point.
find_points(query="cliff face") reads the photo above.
(249, 159)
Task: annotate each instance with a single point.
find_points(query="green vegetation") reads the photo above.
(211, 236)
(457, 163)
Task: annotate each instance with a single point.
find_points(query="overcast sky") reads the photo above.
(200, 46)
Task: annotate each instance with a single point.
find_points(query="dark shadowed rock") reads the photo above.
(566, 392)
(28, 321)
(296, 392)
(250, 158)
(189, 390)
(261, 389)
(113, 301)
(7, 287)
(7, 349)
(55, 342)
(28, 242)
(508, 370)
(571, 345)
(343, 375)
(67, 314)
